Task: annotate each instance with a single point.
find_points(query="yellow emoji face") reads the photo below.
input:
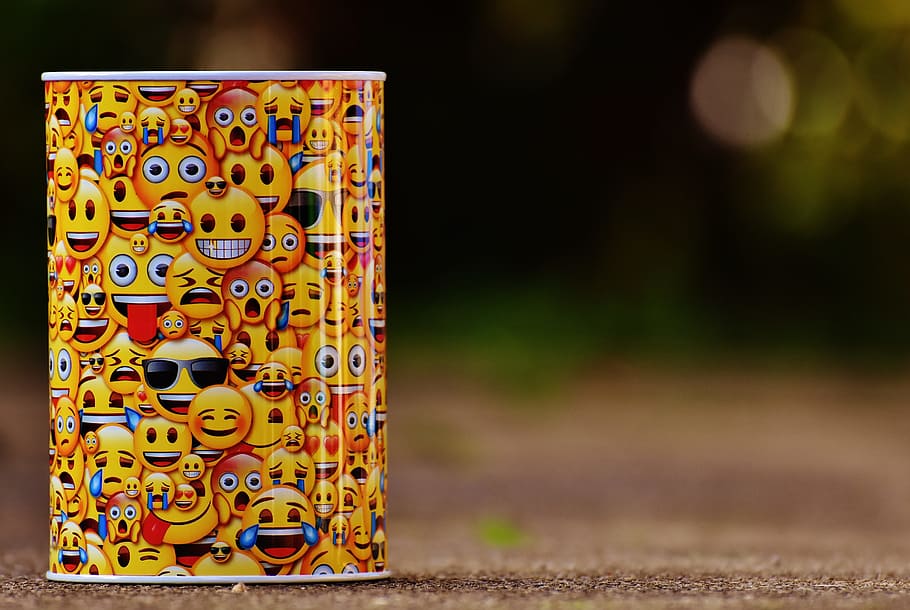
(220, 417)
(154, 125)
(66, 426)
(320, 135)
(283, 110)
(64, 369)
(268, 178)
(98, 564)
(139, 243)
(128, 122)
(278, 526)
(273, 381)
(66, 175)
(316, 204)
(161, 443)
(123, 364)
(324, 446)
(135, 282)
(172, 171)
(307, 293)
(172, 324)
(64, 312)
(181, 131)
(110, 100)
(139, 558)
(115, 460)
(283, 467)
(194, 289)
(325, 97)
(252, 294)
(284, 243)
(72, 553)
(324, 498)
(123, 517)
(342, 362)
(357, 422)
(237, 479)
(350, 496)
(192, 467)
(177, 370)
(170, 221)
(186, 101)
(231, 228)
(357, 112)
(232, 123)
(357, 225)
(65, 105)
(118, 153)
(355, 175)
(270, 417)
(70, 469)
(129, 215)
(215, 330)
(292, 439)
(84, 220)
(155, 93)
(330, 557)
(314, 399)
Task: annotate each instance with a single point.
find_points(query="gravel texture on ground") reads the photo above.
(635, 488)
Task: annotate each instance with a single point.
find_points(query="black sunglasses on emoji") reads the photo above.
(162, 373)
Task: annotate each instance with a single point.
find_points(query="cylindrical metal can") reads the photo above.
(216, 315)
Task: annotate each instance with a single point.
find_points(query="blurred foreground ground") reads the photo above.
(635, 488)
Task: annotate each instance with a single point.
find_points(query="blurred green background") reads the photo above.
(569, 181)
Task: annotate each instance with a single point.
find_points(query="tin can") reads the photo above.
(216, 315)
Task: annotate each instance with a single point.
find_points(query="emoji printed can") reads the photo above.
(216, 317)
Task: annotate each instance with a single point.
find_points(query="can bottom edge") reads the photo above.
(214, 580)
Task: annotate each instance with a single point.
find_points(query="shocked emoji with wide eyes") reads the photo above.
(313, 401)
(118, 153)
(170, 221)
(194, 289)
(233, 127)
(231, 228)
(252, 294)
(84, 220)
(174, 171)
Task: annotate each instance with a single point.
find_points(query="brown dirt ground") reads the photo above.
(634, 488)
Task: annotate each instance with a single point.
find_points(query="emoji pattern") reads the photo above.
(216, 319)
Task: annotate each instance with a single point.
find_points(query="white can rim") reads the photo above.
(214, 580)
(216, 75)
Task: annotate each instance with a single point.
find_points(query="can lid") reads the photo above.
(217, 75)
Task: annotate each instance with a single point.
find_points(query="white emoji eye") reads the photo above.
(95, 268)
(228, 481)
(320, 398)
(304, 397)
(155, 169)
(269, 242)
(51, 369)
(224, 116)
(123, 270)
(357, 360)
(265, 288)
(326, 361)
(289, 241)
(126, 147)
(157, 268)
(60, 424)
(70, 424)
(248, 116)
(239, 288)
(115, 512)
(352, 420)
(191, 169)
(253, 481)
(129, 512)
(64, 365)
(110, 148)
(323, 570)
(85, 269)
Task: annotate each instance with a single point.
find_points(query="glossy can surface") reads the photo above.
(216, 316)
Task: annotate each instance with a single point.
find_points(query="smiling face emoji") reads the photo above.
(187, 101)
(231, 228)
(325, 97)
(84, 220)
(72, 553)
(219, 417)
(66, 175)
(177, 370)
(194, 289)
(161, 444)
(279, 526)
(129, 214)
(170, 221)
(319, 135)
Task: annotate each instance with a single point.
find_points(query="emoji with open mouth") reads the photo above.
(230, 228)
(283, 110)
(252, 295)
(268, 178)
(237, 479)
(85, 220)
(123, 517)
(294, 468)
(279, 526)
(118, 153)
(161, 443)
(72, 553)
(194, 289)
(357, 112)
(129, 214)
(232, 123)
(170, 221)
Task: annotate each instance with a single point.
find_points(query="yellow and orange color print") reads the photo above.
(216, 318)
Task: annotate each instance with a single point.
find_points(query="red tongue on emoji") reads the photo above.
(154, 528)
(142, 321)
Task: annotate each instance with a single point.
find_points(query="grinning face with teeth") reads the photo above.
(279, 526)
(237, 479)
(118, 153)
(325, 499)
(186, 102)
(84, 220)
(268, 178)
(161, 444)
(136, 284)
(319, 135)
(177, 370)
(230, 228)
(252, 294)
(194, 289)
(233, 127)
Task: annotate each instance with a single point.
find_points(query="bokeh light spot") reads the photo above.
(742, 93)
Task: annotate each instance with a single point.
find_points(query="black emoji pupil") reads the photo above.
(207, 223)
(151, 435)
(238, 174)
(267, 174)
(238, 223)
(172, 435)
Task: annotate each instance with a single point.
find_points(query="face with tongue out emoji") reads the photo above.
(161, 444)
(177, 370)
(278, 526)
(84, 220)
(232, 122)
(230, 228)
(136, 285)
